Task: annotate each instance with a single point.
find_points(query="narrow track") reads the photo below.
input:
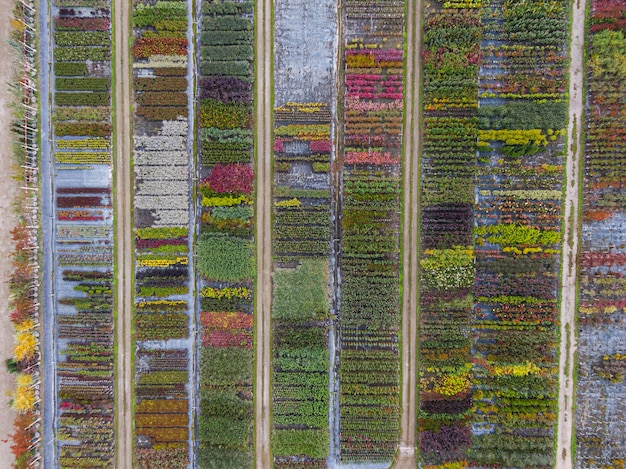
(569, 267)
(263, 124)
(123, 231)
(410, 269)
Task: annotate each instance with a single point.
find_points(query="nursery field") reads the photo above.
(225, 230)
(303, 330)
(264, 222)
(82, 237)
(601, 391)
(164, 313)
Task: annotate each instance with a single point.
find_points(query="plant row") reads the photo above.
(163, 310)
(517, 236)
(83, 269)
(450, 132)
(600, 387)
(300, 306)
(369, 316)
(224, 248)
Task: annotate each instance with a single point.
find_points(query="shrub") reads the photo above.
(226, 89)
(215, 38)
(224, 116)
(447, 269)
(231, 179)
(313, 443)
(82, 99)
(231, 68)
(70, 69)
(302, 292)
(226, 366)
(223, 458)
(82, 38)
(81, 54)
(224, 258)
(225, 432)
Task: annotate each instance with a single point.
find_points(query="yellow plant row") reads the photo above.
(90, 143)
(228, 292)
(162, 262)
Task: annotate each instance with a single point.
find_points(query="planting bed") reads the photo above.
(163, 310)
(301, 234)
(225, 259)
(521, 121)
(370, 154)
(300, 307)
(601, 391)
(82, 237)
(450, 131)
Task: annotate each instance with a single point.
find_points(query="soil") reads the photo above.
(124, 261)
(8, 188)
(264, 241)
(567, 385)
(410, 274)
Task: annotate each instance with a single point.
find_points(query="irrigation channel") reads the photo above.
(287, 81)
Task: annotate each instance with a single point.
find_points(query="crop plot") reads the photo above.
(83, 233)
(225, 259)
(521, 121)
(450, 132)
(494, 107)
(370, 141)
(601, 393)
(163, 309)
(301, 234)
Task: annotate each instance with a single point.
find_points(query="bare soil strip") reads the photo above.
(123, 228)
(410, 273)
(569, 266)
(263, 56)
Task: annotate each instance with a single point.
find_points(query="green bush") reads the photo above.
(223, 458)
(148, 15)
(229, 53)
(70, 69)
(230, 68)
(523, 116)
(81, 54)
(224, 258)
(217, 38)
(301, 293)
(302, 359)
(313, 443)
(225, 366)
(225, 432)
(227, 8)
(82, 99)
(226, 23)
(82, 38)
(225, 404)
(82, 84)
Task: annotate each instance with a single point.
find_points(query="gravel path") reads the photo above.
(410, 273)
(263, 122)
(123, 226)
(570, 241)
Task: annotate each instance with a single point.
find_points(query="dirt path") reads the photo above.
(410, 274)
(123, 228)
(9, 189)
(263, 57)
(570, 242)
